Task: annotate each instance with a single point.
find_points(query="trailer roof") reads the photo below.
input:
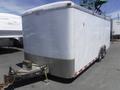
(62, 4)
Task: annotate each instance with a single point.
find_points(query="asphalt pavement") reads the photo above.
(104, 75)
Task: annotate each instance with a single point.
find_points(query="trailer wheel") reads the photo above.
(104, 51)
(102, 54)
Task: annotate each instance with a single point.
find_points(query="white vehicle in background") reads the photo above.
(116, 28)
(10, 30)
(66, 37)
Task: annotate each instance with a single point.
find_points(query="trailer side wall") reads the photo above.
(90, 34)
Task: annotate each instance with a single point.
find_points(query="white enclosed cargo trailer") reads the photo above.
(65, 36)
(10, 28)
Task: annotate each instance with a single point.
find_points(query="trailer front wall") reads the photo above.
(48, 39)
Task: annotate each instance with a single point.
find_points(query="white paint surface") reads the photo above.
(66, 33)
(116, 27)
(10, 24)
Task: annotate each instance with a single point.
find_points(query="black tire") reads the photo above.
(102, 54)
(99, 58)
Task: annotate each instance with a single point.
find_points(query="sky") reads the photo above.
(19, 6)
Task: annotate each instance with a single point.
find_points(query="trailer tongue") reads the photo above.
(27, 71)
